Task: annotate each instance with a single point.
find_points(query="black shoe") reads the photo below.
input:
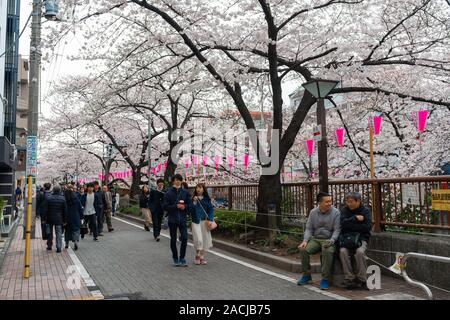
(95, 239)
(363, 285)
(111, 230)
(58, 250)
(75, 247)
(146, 228)
(100, 234)
(49, 248)
(157, 239)
(67, 246)
(82, 236)
(351, 284)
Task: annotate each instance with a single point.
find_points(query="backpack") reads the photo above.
(350, 240)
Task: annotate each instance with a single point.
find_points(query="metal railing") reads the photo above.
(384, 196)
(420, 256)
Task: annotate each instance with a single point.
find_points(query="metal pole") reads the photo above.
(149, 148)
(35, 77)
(372, 176)
(372, 164)
(26, 273)
(322, 146)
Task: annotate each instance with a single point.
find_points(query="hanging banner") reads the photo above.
(440, 199)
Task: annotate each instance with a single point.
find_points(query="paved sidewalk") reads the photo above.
(48, 277)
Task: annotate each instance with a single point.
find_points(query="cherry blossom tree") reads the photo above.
(394, 48)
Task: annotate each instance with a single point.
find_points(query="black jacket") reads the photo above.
(349, 223)
(55, 210)
(156, 201)
(42, 196)
(143, 200)
(102, 197)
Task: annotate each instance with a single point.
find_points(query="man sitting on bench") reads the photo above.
(322, 231)
(356, 223)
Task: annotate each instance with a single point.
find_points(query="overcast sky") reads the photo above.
(59, 66)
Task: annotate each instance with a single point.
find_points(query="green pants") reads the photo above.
(315, 246)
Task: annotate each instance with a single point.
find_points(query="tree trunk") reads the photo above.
(269, 197)
(170, 172)
(171, 166)
(135, 184)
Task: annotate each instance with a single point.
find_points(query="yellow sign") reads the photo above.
(440, 199)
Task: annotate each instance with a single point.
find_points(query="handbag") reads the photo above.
(84, 227)
(210, 225)
(45, 230)
(165, 222)
(351, 240)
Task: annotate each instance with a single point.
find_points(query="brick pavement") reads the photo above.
(48, 275)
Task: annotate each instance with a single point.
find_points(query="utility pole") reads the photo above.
(149, 148)
(33, 97)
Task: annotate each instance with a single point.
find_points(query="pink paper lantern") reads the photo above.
(376, 123)
(205, 160)
(246, 160)
(165, 165)
(194, 160)
(217, 161)
(340, 136)
(158, 168)
(154, 170)
(309, 146)
(186, 163)
(230, 162)
(421, 123)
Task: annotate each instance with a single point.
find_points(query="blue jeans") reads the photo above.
(58, 232)
(173, 227)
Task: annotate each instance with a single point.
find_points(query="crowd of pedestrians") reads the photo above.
(74, 212)
(77, 212)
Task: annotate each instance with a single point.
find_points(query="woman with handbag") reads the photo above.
(202, 223)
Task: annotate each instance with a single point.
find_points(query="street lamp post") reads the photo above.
(320, 89)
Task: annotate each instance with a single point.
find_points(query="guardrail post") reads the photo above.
(377, 206)
(230, 198)
(309, 198)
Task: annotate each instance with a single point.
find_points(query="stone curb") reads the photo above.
(266, 258)
(8, 239)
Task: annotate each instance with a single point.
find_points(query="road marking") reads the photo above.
(96, 294)
(248, 265)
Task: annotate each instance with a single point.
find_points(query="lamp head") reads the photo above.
(320, 88)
